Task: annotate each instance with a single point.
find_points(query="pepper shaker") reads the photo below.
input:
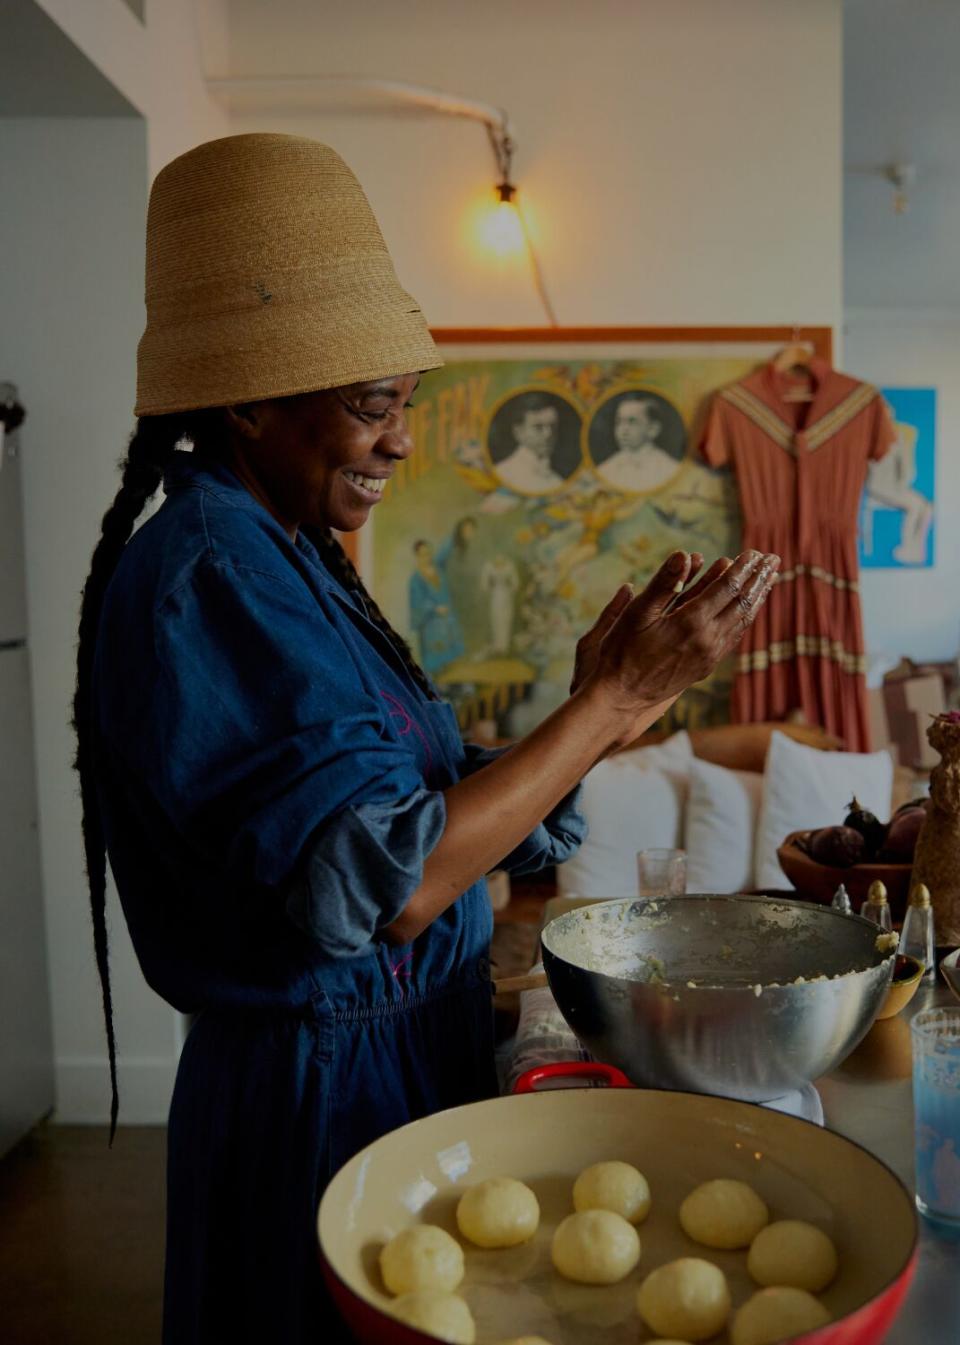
(877, 907)
(841, 901)
(917, 939)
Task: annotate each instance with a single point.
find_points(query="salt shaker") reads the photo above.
(917, 939)
(841, 901)
(877, 907)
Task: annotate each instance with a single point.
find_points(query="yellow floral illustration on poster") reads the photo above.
(537, 487)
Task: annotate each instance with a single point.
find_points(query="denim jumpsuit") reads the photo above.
(271, 782)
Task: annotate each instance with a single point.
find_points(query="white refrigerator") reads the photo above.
(26, 1046)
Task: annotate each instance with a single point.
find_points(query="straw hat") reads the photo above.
(267, 275)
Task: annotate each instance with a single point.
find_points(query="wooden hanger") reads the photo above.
(796, 358)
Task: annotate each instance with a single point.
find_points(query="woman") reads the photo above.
(297, 833)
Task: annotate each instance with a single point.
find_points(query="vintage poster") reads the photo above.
(541, 481)
(897, 514)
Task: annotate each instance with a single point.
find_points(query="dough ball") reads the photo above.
(500, 1212)
(526, 1340)
(724, 1214)
(688, 1299)
(595, 1247)
(613, 1186)
(442, 1315)
(424, 1257)
(776, 1314)
(793, 1253)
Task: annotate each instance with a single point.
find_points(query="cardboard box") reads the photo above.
(879, 728)
(910, 701)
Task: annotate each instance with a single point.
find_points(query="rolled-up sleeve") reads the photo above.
(362, 868)
(558, 836)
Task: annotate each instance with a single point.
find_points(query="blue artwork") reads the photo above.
(897, 511)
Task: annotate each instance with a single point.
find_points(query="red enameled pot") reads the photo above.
(416, 1174)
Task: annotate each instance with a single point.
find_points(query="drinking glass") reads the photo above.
(936, 1101)
(662, 873)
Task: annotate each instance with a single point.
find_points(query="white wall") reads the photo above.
(682, 158)
(71, 313)
(916, 612)
(156, 64)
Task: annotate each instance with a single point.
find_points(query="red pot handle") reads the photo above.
(572, 1069)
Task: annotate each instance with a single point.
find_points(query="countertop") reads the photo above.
(869, 1098)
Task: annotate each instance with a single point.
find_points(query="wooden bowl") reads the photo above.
(818, 882)
(907, 974)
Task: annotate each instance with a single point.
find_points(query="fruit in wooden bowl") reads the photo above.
(907, 974)
(819, 881)
(860, 852)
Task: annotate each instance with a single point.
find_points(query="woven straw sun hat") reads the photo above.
(267, 275)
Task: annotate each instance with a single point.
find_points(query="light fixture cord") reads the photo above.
(503, 147)
(538, 279)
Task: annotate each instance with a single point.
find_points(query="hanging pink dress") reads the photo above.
(801, 468)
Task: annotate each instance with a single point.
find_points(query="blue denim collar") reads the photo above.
(188, 469)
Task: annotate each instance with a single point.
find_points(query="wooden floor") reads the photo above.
(81, 1237)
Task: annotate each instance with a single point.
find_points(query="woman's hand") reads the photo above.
(647, 655)
(646, 651)
(675, 573)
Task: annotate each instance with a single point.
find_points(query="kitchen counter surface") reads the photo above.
(869, 1098)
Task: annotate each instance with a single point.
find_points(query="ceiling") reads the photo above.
(902, 103)
(45, 75)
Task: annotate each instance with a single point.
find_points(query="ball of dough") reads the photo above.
(526, 1340)
(424, 1257)
(724, 1214)
(500, 1212)
(793, 1253)
(595, 1247)
(688, 1299)
(776, 1314)
(613, 1186)
(442, 1315)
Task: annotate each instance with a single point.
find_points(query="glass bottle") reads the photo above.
(841, 901)
(917, 939)
(877, 907)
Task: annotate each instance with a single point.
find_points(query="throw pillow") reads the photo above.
(804, 788)
(721, 824)
(632, 801)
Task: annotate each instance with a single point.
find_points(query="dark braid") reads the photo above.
(343, 568)
(149, 452)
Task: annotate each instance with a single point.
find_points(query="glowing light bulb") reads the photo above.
(501, 230)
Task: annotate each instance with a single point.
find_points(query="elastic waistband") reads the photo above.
(324, 1005)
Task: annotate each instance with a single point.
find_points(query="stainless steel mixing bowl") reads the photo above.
(745, 997)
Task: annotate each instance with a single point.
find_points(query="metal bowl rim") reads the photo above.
(745, 898)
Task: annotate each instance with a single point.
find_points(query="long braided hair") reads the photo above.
(150, 452)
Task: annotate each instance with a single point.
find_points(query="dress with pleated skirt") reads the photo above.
(801, 468)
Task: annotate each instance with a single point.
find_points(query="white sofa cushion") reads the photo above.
(722, 809)
(805, 788)
(632, 801)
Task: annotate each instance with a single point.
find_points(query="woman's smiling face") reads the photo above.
(323, 458)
